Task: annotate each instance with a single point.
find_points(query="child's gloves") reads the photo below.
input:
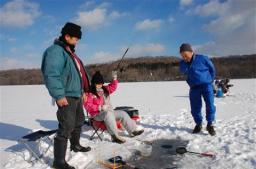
(114, 75)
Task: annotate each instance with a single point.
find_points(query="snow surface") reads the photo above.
(165, 111)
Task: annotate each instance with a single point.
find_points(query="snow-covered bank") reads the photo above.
(165, 111)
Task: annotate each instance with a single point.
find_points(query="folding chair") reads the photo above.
(34, 137)
(100, 125)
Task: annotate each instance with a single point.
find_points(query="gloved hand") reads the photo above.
(114, 75)
(104, 107)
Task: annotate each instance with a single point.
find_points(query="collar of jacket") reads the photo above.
(192, 59)
(64, 45)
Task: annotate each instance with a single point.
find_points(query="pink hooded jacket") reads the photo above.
(93, 103)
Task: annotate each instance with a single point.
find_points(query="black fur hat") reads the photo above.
(97, 78)
(72, 30)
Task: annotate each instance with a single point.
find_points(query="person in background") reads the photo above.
(100, 109)
(67, 81)
(216, 85)
(200, 73)
(224, 83)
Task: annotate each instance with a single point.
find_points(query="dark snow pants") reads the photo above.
(71, 118)
(195, 97)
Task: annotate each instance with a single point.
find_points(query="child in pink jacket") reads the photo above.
(99, 107)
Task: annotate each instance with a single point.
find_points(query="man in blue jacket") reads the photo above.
(67, 81)
(200, 74)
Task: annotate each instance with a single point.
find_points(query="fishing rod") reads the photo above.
(118, 66)
(183, 150)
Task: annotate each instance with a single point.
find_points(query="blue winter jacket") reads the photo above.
(200, 71)
(60, 74)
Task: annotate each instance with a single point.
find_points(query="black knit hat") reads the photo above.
(185, 47)
(97, 78)
(72, 30)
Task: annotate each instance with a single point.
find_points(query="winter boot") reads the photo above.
(210, 129)
(137, 132)
(60, 147)
(117, 139)
(197, 128)
(75, 145)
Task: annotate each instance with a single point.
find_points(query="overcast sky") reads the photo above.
(148, 27)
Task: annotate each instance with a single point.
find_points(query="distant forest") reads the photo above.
(160, 68)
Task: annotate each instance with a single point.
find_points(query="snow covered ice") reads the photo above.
(165, 115)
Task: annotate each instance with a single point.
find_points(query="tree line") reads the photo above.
(160, 68)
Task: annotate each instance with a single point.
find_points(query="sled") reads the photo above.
(132, 112)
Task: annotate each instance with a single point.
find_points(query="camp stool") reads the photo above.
(36, 137)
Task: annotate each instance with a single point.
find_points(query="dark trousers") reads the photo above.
(71, 118)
